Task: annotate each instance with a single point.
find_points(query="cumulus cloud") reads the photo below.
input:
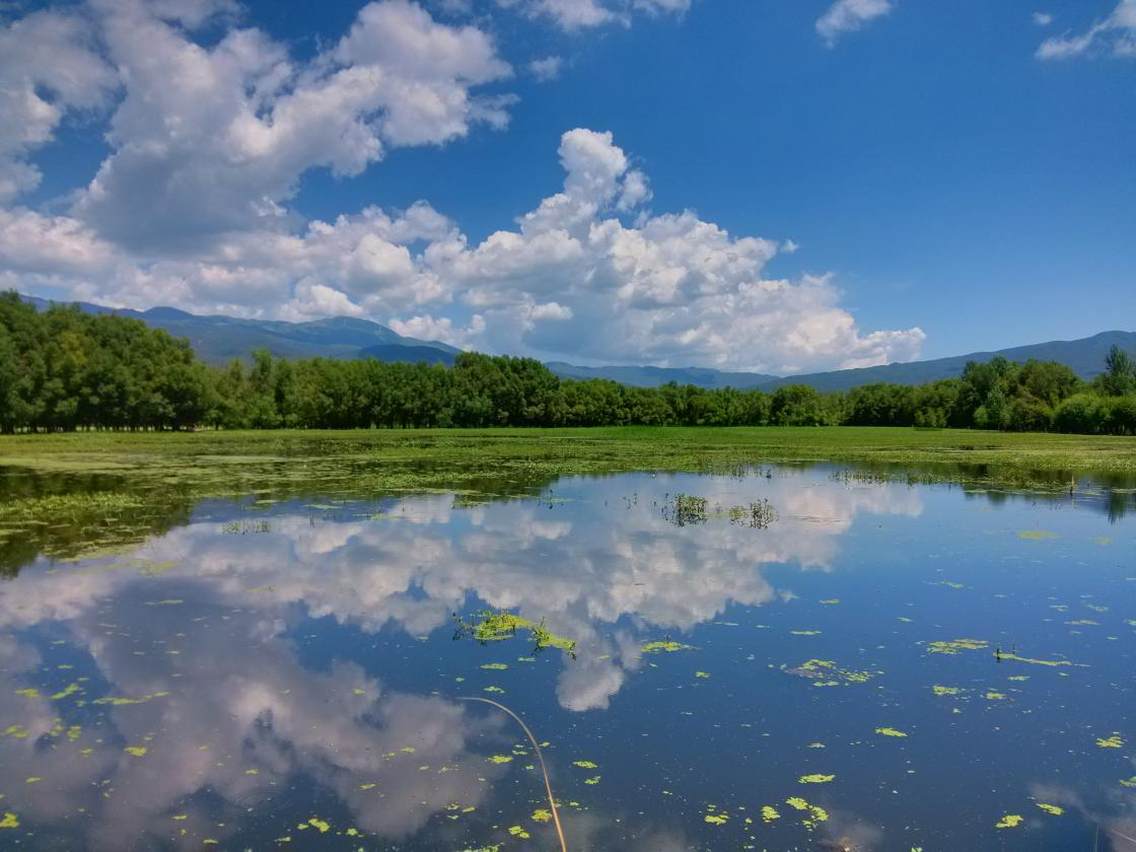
(590, 272)
(1115, 35)
(49, 66)
(546, 68)
(212, 138)
(574, 15)
(208, 138)
(1042, 19)
(846, 16)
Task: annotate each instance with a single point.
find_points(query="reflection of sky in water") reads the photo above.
(304, 667)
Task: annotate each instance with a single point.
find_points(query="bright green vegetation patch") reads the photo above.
(1036, 535)
(828, 673)
(1114, 741)
(956, 645)
(890, 732)
(665, 645)
(816, 778)
(1054, 810)
(1009, 821)
(489, 626)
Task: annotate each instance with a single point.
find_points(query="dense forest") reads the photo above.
(62, 370)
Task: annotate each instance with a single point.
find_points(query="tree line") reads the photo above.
(63, 370)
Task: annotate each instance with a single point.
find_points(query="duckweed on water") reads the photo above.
(541, 815)
(816, 778)
(828, 673)
(490, 626)
(665, 645)
(890, 732)
(585, 764)
(10, 820)
(956, 645)
(769, 813)
(1009, 821)
(1055, 810)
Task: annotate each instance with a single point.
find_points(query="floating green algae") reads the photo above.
(828, 673)
(665, 645)
(495, 626)
(1055, 810)
(500, 758)
(816, 778)
(1009, 821)
(136, 751)
(1114, 741)
(816, 814)
(890, 732)
(10, 820)
(518, 831)
(946, 690)
(1036, 535)
(494, 667)
(541, 815)
(955, 645)
(586, 764)
(703, 675)
(1032, 661)
(769, 813)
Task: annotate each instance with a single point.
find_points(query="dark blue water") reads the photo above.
(289, 675)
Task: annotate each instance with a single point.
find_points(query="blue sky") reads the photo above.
(785, 186)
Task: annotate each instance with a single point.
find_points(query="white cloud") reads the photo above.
(574, 280)
(210, 139)
(1115, 35)
(546, 69)
(574, 15)
(845, 16)
(1042, 19)
(49, 66)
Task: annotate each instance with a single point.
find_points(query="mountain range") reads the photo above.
(217, 339)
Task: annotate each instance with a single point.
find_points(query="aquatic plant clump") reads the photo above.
(495, 626)
(685, 510)
(828, 673)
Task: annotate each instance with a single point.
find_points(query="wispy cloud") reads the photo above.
(846, 16)
(1115, 35)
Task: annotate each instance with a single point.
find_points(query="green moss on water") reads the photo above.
(496, 626)
(954, 646)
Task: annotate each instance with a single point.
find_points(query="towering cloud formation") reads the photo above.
(209, 136)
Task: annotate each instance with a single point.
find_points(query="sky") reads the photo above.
(741, 184)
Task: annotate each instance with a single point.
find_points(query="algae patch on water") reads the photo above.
(828, 673)
(1114, 741)
(665, 646)
(1009, 821)
(954, 646)
(495, 626)
(890, 732)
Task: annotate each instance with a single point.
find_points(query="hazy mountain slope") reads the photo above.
(651, 377)
(1084, 356)
(218, 339)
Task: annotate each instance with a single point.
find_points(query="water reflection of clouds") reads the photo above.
(242, 726)
(241, 723)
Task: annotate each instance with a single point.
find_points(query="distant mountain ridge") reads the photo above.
(218, 339)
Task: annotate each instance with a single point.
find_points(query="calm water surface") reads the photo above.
(288, 675)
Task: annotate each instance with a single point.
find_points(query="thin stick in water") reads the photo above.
(539, 756)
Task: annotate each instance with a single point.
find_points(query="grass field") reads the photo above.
(453, 458)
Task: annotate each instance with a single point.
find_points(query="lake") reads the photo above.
(787, 658)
